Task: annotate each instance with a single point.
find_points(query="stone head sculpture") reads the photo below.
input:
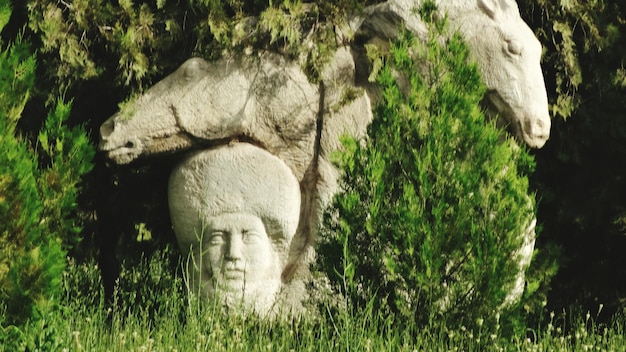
(235, 209)
(204, 102)
(503, 46)
(508, 54)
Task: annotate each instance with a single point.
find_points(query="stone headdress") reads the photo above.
(237, 177)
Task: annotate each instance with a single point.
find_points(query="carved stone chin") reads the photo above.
(235, 210)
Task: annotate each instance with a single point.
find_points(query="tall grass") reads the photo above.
(152, 312)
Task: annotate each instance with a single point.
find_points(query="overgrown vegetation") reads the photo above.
(39, 184)
(580, 176)
(96, 52)
(164, 319)
(83, 38)
(434, 206)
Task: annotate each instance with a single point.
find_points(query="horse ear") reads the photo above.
(496, 9)
(490, 7)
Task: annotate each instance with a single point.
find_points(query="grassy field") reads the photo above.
(153, 313)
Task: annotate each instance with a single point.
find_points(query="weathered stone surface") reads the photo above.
(267, 101)
(204, 100)
(262, 100)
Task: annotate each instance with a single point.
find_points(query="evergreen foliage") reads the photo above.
(434, 203)
(36, 202)
(572, 30)
(145, 39)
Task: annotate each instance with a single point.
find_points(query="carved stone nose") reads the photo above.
(536, 131)
(539, 128)
(235, 248)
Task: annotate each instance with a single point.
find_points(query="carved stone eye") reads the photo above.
(514, 47)
(192, 68)
(252, 237)
(217, 238)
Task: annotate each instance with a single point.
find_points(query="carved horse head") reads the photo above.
(509, 54)
(503, 46)
(267, 99)
(204, 101)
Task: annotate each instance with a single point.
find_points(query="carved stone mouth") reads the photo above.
(535, 134)
(496, 108)
(534, 141)
(121, 155)
(234, 275)
(235, 271)
(231, 283)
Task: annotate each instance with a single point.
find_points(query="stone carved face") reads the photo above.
(241, 258)
(234, 210)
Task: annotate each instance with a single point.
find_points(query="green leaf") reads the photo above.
(43, 140)
(5, 13)
(59, 145)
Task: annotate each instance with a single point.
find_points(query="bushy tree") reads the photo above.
(38, 190)
(434, 203)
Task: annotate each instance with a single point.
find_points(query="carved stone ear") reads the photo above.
(490, 7)
(497, 9)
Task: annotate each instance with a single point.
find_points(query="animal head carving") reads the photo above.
(150, 124)
(505, 49)
(509, 54)
(270, 99)
(213, 101)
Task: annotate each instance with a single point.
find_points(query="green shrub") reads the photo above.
(140, 40)
(434, 203)
(36, 202)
